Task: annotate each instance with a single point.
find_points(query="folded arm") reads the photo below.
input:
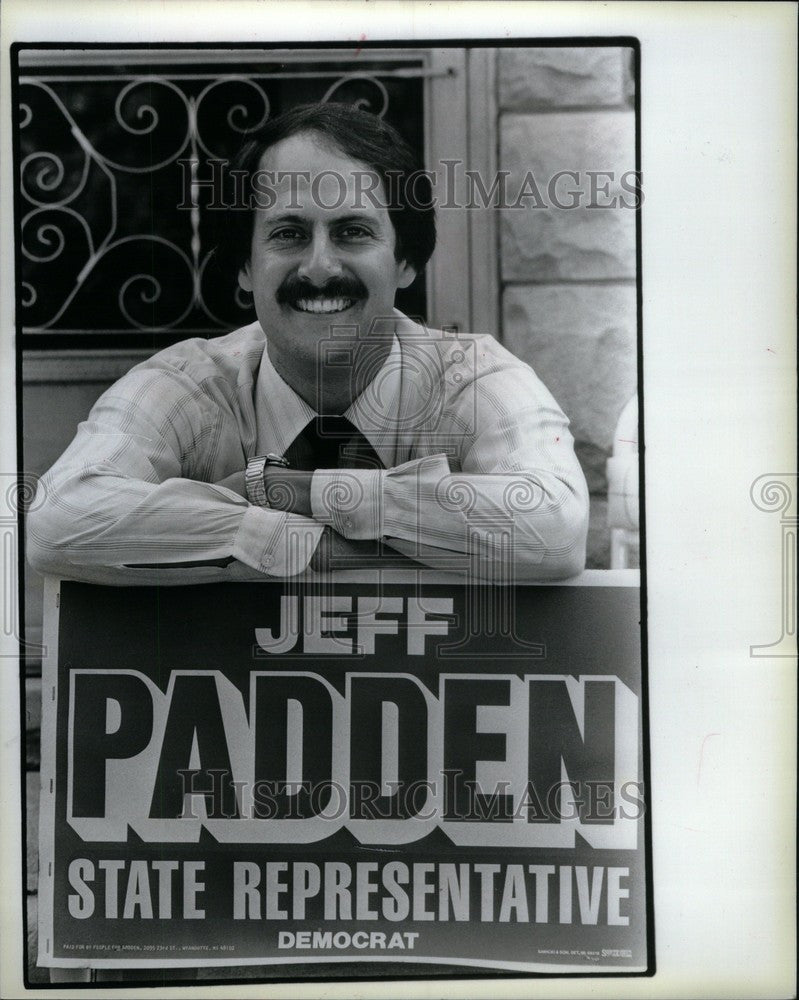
(503, 526)
(151, 490)
(515, 509)
(128, 501)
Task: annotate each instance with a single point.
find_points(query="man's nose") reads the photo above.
(320, 262)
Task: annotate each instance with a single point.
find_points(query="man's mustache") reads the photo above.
(293, 288)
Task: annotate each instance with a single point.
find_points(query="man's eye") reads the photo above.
(354, 232)
(287, 234)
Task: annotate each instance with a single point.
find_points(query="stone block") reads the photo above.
(568, 226)
(581, 341)
(561, 77)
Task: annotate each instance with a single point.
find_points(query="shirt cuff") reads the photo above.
(276, 543)
(349, 500)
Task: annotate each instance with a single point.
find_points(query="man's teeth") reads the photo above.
(324, 305)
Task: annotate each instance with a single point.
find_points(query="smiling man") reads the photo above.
(332, 429)
(321, 256)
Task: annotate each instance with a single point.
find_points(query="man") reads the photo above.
(210, 460)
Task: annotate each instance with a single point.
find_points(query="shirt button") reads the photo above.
(348, 522)
(457, 357)
(268, 561)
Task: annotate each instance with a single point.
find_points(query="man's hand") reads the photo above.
(288, 489)
(234, 482)
(334, 551)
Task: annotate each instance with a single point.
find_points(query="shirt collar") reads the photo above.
(281, 414)
(375, 412)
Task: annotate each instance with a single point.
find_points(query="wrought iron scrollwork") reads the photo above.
(350, 84)
(115, 235)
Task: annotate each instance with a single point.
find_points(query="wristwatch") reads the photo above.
(254, 477)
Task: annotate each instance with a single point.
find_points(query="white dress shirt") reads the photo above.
(480, 469)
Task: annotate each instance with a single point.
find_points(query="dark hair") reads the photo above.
(360, 135)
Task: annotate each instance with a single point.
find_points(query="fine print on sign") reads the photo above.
(325, 773)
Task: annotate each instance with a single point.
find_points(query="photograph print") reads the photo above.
(328, 366)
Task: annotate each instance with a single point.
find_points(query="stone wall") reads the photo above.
(568, 273)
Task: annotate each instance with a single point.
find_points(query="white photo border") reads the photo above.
(718, 92)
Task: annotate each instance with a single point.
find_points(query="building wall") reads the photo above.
(568, 275)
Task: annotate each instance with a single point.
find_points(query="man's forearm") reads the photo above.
(533, 525)
(84, 520)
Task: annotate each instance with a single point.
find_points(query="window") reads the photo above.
(118, 154)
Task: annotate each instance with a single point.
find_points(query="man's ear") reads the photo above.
(245, 281)
(406, 274)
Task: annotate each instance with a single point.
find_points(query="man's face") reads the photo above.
(321, 256)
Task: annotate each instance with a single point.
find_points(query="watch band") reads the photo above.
(254, 477)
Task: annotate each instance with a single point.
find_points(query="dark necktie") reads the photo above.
(336, 443)
(331, 443)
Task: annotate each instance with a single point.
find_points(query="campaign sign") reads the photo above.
(361, 772)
